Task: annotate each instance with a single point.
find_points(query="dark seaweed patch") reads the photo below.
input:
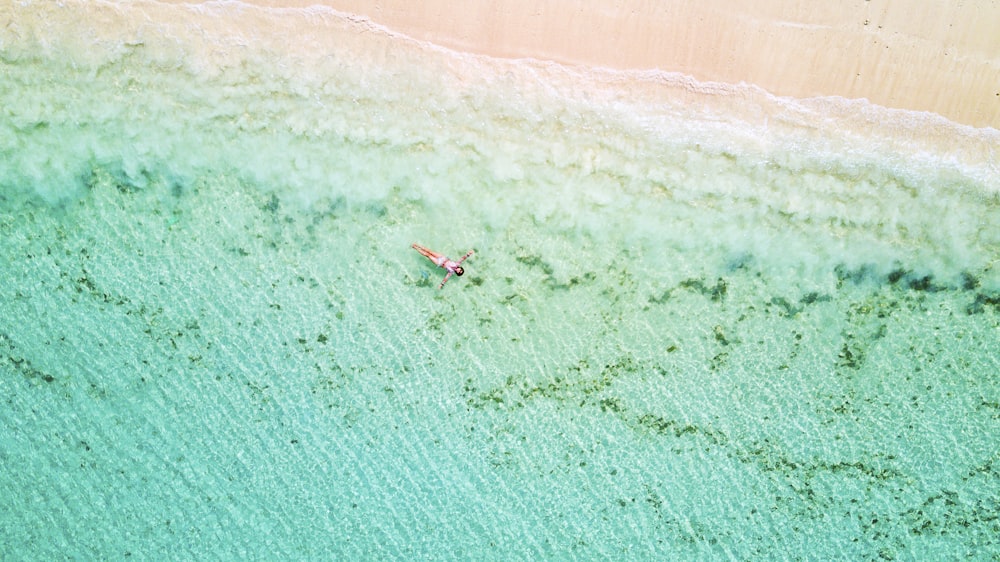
(272, 205)
(84, 284)
(969, 281)
(801, 475)
(10, 356)
(862, 274)
(851, 355)
(904, 278)
(378, 210)
(720, 335)
(944, 512)
(663, 426)
(895, 275)
(716, 292)
(787, 309)
(573, 281)
(664, 297)
(117, 176)
(925, 283)
(611, 405)
(536, 261)
(580, 384)
(814, 297)
(978, 306)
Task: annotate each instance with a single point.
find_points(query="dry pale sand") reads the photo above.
(940, 56)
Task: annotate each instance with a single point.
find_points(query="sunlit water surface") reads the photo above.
(689, 330)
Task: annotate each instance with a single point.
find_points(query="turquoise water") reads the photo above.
(700, 322)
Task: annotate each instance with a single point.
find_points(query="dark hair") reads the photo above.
(459, 271)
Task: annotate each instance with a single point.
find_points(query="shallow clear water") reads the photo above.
(688, 331)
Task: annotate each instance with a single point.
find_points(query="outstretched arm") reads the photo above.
(445, 280)
(469, 253)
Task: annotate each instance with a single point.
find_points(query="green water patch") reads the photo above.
(858, 398)
(834, 400)
(682, 335)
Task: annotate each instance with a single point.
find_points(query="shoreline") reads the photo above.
(212, 39)
(942, 59)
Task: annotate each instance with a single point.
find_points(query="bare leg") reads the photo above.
(431, 255)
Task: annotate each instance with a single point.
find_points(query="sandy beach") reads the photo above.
(940, 56)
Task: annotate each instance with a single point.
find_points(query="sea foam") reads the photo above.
(341, 114)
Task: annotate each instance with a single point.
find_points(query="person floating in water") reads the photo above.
(443, 261)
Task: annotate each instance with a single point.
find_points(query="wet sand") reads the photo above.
(942, 57)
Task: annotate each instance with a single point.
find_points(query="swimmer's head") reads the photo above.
(459, 271)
